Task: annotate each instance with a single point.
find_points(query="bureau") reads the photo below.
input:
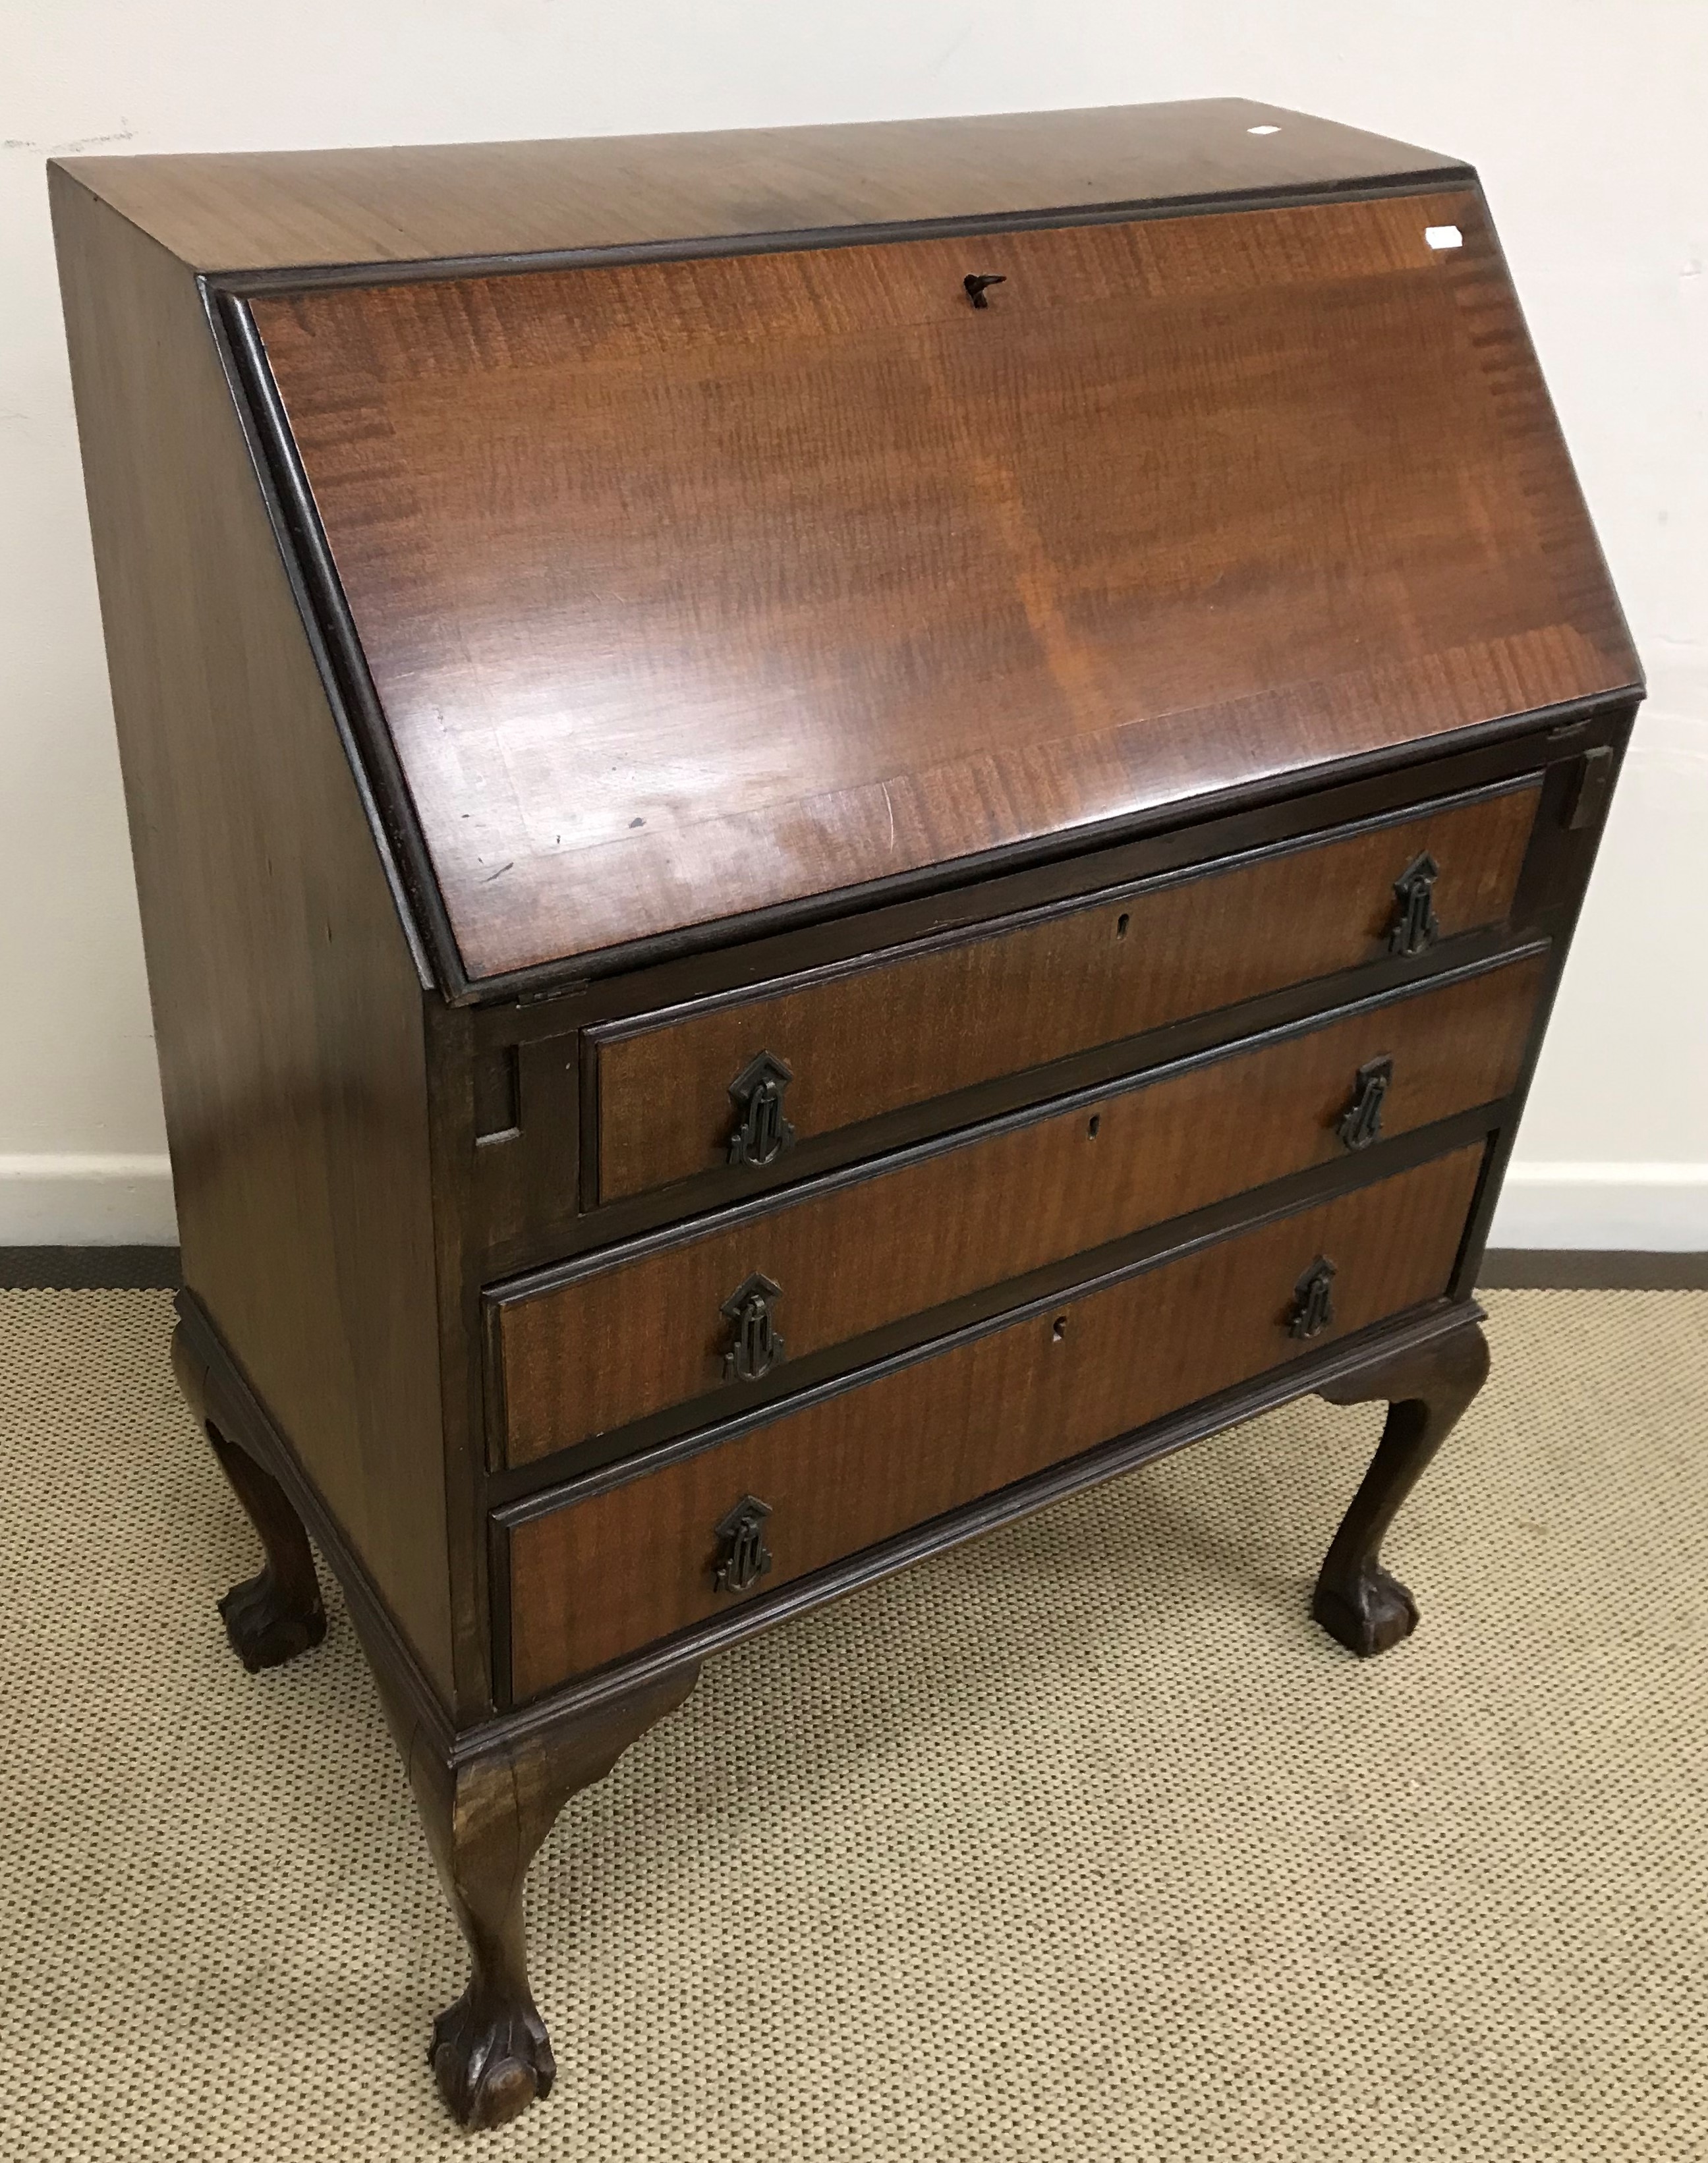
(836, 829)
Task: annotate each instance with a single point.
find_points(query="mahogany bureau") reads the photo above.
(837, 828)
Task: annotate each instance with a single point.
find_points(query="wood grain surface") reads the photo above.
(924, 1022)
(693, 588)
(613, 1345)
(255, 210)
(287, 1009)
(599, 1578)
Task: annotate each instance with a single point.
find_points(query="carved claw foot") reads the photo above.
(491, 2065)
(1368, 1614)
(273, 1615)
(485, 1810)
(266, 1627)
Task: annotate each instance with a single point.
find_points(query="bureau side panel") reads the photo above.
(287, 1008)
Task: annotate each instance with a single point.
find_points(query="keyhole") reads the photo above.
(1095, 1121)
(1121, 924)
(1058, 1329)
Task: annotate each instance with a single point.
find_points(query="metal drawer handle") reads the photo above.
(754, 1347)
(762, 1133)
(742, 1557)
(1313, 1302)
(1361, 1122)
(1414, 929)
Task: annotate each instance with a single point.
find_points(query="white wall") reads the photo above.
(1583, 116)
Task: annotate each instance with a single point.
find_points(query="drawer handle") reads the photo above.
(754, 1347)
(762, 1133)
(1414, 929)
(1313, 1302)
(742, 1558)
(1361, 1122)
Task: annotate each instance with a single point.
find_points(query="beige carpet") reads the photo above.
(1079, 1844)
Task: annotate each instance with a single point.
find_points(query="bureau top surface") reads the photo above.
(699, 588)
(271, 209)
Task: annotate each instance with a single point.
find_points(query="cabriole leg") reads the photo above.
(271, 1617)
(1356, 1599)
(485, 1816)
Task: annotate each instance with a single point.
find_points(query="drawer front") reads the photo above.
(828, 1262)
(675, 1096)
(639, 1557)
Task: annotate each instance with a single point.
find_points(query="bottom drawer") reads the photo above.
(634, 1554)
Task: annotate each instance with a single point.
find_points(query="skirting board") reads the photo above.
(106, 1199)
(110, 1200)
(58, 1213)
(1645, 1209)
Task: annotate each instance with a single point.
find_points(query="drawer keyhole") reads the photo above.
(1058, 1329)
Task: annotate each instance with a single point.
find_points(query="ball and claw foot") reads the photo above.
(1427, 1389)
(265, 1627)
(490, 2067)
(273, 1615)
(485, 1812)
(1370, 1615)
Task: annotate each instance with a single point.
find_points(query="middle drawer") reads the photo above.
(600, 1343)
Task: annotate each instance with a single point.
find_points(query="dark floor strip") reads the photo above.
(89, 1269)
(1505, 1269)
(1577, 1268)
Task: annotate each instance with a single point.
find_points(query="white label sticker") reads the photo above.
(1443, 236)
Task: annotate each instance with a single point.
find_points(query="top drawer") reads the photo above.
(738, 1078)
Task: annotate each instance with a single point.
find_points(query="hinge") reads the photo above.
(1591, 786)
